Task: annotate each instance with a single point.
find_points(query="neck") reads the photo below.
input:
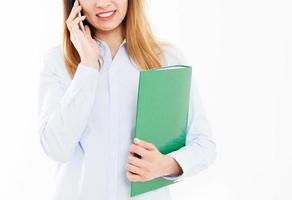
(113, 39)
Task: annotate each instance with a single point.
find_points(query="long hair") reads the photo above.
(142, 47)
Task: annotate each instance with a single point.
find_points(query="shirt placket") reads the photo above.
(113, 129)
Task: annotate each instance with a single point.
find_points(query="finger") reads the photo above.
(134, 169)
(144, 144)
(73, 13)
(75, 26)
(75, 4)
(134, 148)
(133, 177)
(136, 161)
(71, 18)
(77, 20)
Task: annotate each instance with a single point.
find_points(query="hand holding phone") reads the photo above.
(80, 36)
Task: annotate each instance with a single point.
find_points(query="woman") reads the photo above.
(87, 101)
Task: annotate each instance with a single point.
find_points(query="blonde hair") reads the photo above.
(142, 47)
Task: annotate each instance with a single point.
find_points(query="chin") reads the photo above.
(106, 28)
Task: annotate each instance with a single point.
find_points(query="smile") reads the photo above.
(106, 15)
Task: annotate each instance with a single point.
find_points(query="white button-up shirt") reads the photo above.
(87, 124)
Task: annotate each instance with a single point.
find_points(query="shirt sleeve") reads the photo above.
(63, 113)
(200, 149)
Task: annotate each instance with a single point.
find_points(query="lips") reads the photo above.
(106, 14)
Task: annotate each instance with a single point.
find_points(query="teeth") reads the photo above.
(106, 14)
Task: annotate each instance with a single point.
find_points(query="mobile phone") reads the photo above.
(70, 6)
(81, 26)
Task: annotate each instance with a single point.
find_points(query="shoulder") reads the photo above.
(52, 55)
(173, 55)
(53, 60)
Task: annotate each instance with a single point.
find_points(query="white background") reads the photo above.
(241, 56)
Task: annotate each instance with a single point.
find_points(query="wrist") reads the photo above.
(93, 64)
(172, 167)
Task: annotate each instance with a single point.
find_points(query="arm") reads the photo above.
(200, 149)
(63, 114)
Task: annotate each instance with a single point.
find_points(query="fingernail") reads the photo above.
(136, 140)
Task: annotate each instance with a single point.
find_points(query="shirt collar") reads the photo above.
(99, 41)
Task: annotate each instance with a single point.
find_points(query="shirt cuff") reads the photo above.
(84, 77)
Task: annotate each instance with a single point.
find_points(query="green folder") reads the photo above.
(162, 114)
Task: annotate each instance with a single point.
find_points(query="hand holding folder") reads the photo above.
(162, 114)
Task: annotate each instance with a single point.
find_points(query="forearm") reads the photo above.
(63, 114)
